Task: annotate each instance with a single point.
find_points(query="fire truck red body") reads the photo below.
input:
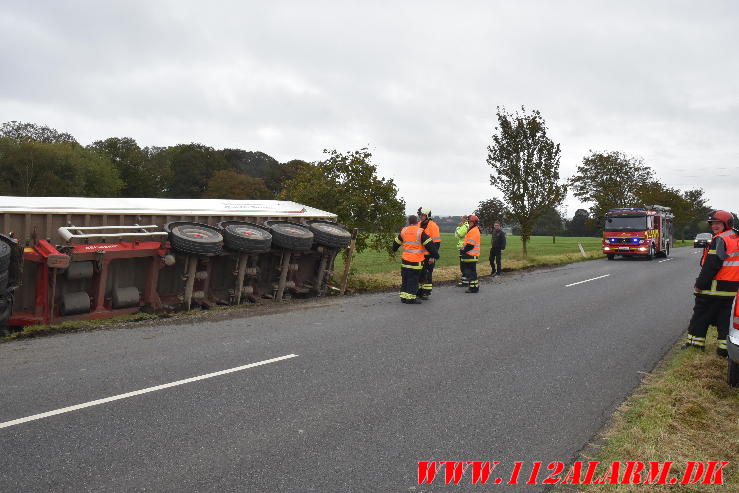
(643, 232)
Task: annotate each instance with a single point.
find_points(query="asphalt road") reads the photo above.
(527, 370)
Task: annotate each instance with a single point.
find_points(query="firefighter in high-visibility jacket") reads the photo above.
(470, 254)
(427, 273)
(414, 242)
(460, 233)
(717, 284)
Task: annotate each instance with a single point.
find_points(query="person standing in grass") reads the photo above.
(460, 233)
(496, 251)
(716, 285)
(415, 243)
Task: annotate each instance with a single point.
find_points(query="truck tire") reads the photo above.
(245, 237)
(732, 376)
(3, 281)
(331, 235)
(195, 238)
(5, 253)
(610, 256)
(650, 255)
(291, 236)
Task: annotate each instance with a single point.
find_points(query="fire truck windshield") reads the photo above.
(626, 223)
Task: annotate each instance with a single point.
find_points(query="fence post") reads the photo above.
(349, 259)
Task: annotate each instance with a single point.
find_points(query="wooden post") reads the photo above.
(349, 259)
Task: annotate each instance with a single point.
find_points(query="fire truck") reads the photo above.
(638, 231)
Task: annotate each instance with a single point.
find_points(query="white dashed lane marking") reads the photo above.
(77, 407)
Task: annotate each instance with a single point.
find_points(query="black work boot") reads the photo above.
(722, 352)
(414, 301)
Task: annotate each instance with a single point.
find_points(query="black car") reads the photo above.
(702, 240)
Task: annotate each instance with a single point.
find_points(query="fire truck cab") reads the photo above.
(638, 231)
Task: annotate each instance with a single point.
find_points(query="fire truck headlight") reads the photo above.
(606, 248)
(642, 249)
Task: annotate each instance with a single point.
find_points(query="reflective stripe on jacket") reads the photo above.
(720, 272)
(412, 247)
(730, 268)
(432, 230)
(472, 238)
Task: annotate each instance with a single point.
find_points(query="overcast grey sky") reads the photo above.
(417, 82)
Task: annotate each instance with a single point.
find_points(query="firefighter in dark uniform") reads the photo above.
(716, 285)
(432, 229)
(415, 243)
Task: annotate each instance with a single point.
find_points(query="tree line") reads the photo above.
(36, 160)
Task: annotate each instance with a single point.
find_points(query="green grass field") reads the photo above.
(370, 262)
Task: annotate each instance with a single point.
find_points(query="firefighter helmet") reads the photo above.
(424, 211)
(723, 217)
(473, 219)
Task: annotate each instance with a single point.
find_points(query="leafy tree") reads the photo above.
(30, 132)
(609, 179)
(261, 165)
(550, 223)
(525, 164)
(348, 185)
(699, 210)
(141, 175)
(192, 165)
(31, 168)
(581, 224)
(489, 211)
(229, 184)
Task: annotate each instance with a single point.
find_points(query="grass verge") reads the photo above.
(684, 411)
(380, 281)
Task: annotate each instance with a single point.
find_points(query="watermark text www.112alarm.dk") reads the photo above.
(579, 473)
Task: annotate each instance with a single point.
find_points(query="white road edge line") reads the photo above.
(665, 260)
(586, 280)
(142, 391)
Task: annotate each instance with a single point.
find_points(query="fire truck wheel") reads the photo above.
(290, 236)
(5, 252)
(246, 237)
(733, 374)
(194, 238)
(650, 255)
(611, 256)
(3, 281)
(331, 235)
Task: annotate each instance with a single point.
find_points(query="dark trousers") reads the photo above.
(409, 275)
(709, 310)
(470, 273)
(461, 269)
(427, 276)
(496, 259)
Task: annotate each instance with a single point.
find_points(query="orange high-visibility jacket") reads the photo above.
(730, 268)
(473, 238)
(432, 230)
(413, 249)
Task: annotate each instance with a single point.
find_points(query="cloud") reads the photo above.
(418, 82)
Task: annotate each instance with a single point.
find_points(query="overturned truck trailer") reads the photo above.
(71, 258)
